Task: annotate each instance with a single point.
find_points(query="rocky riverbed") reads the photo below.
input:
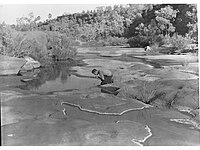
(155, 104)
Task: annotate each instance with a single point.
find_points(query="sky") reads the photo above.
(10, 12)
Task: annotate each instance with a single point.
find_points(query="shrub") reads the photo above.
(31, 44)
(61, 46)
(39, 45)
(158, 40)
(34, 44)
(139, 41)
(177, 41)
(93, 44)
(147, 92)
(6, 40)
(116, 41)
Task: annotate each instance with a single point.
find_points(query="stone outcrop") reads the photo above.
(32, 73)
(30, 64)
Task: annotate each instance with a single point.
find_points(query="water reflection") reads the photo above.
(52, 72)
(60, 76)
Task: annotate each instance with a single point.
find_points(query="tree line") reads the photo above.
(120, 21)
(138, 24)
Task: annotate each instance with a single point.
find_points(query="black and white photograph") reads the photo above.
(99, 74)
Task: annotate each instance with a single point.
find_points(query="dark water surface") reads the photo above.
(71, 83)
(59, 77)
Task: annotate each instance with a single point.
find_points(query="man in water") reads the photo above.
(104, 75)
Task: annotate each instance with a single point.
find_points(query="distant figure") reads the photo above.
(147, 48)
(104, 75)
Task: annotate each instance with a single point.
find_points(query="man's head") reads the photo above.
(95, 71)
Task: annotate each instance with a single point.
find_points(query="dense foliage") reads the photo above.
(137, 24)
(42, 46)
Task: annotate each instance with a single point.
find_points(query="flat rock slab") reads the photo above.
(126, 75)
(179, 58)
(193, 124)
(101, 103)
(86, 50)
(8, 95)
(16, 106)
(164, 131)
(113, 65)
(8, 81)
(112, 50)
(172, 74)
(10, 65)
(127, 133)
(192, 68)
(109, 64)
(40, 120)
(130, 50)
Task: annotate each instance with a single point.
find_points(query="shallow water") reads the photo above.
(63, 77)
(59, 77)
(71, 83)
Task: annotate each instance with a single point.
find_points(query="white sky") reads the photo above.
(10, 10)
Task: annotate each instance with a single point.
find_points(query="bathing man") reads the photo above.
(104, 75)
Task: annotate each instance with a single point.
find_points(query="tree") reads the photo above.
(27, 23)
(164, 17)
(150, 20)
(193, 24)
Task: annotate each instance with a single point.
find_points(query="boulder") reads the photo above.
(33, 73)
(30, 64)
(10, 65)
(27, 67)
